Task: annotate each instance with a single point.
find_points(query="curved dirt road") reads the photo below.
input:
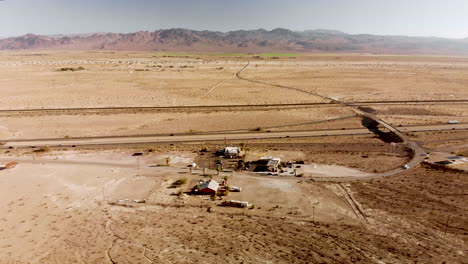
(417, 149)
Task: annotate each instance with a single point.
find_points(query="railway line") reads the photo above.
(221, 108)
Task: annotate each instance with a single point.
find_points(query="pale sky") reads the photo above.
(443, 18)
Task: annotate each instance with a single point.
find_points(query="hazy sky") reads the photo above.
(445, 18)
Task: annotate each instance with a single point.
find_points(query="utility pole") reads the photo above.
(446, 225)
(313, 211)
(393, 147)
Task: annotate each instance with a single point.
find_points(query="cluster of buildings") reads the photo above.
(266, 164)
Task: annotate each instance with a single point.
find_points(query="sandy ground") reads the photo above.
(424, 195)
(78, 206)
(330, 171)
(59, 126)
(54, 207)
(126, 79)
(354, 81)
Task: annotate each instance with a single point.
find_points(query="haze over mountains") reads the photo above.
(277, 40)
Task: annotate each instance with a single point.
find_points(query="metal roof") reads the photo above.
(232, 150)
(273, 163)
(211, 184)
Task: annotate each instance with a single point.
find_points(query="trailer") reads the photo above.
(234, 203)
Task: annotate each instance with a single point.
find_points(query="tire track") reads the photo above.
(287, 87)
(223, 81)
(417, 149)
(119, 238)
(352, 203)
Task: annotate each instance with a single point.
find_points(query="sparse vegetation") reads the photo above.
(72, 69)
(43, 149)
(278, 55)
(179, 183)
(257, 129)
(421, 198)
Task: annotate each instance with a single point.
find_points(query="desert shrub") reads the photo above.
(168, 161)
(179, 182)
(259, 129)
(73, 69)
(43, 149)
(439, 167)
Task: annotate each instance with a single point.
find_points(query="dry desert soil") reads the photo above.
(350, 201)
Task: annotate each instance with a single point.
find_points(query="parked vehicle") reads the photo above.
(235, 189)
(234, 203)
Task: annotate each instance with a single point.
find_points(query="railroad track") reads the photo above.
(224, 108)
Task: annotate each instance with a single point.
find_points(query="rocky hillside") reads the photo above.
(277, 40)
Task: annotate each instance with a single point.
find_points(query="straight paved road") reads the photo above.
(213, 137)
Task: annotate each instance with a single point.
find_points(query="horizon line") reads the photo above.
(226, 32)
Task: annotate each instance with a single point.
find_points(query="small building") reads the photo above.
(270, 164)
(8, 165)
(209, 187)
(231, 152)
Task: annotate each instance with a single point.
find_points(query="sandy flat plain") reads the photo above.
(79, 205)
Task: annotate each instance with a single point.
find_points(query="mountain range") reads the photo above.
(253, 41)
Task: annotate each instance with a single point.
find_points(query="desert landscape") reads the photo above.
(203, 157)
